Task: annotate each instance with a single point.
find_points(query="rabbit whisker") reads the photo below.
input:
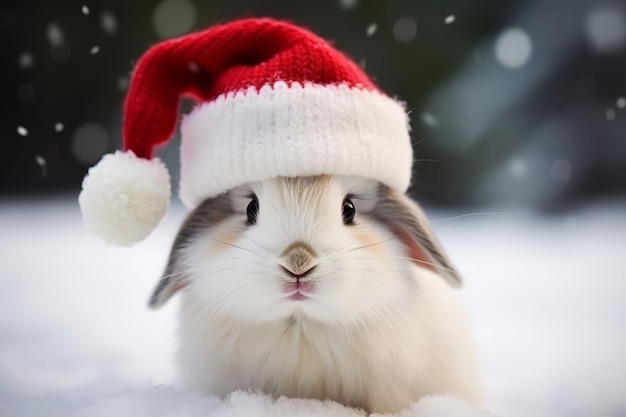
(410, 259)
(391, 306)
(378, 315)
(219, 302)
(209, 307)
(474, 214)
(205, 274)
(374, 272)
(264, 246)
(366, 323)
(232, 245)
(370, 245)
(150, 281)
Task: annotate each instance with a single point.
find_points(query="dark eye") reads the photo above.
(348, 211)
(253, 210)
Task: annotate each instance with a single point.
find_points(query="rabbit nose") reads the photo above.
(298, 275)
(298, 259)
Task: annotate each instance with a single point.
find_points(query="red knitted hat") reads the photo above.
(273, 100)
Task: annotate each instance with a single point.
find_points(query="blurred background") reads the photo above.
(518, 113)
(518, 102)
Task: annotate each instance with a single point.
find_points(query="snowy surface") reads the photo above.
(547, 298)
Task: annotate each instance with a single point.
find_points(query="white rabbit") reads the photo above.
(328, 287)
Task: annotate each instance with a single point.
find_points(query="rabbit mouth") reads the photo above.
(298, 290)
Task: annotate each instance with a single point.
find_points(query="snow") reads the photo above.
(371, 29)
(22, 131)
(404, 29)
(610, 114)
(449, 19)
(55, 34)
(40, 160)
(547, 296)
(518, 167)
(169, 402)
(26, 60)
(108, 22)
(430, 119)
(348, 4)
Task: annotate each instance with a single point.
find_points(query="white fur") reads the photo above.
(125, 197)
(378, 332)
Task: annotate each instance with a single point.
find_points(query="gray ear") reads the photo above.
(407, 220)
(205, 216)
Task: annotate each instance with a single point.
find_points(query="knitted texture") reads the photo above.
(225, 58)
(293, 130)
(273, 100)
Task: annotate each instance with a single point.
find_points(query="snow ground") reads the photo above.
(547, 297)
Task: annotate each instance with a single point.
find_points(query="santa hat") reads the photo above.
(273, 99)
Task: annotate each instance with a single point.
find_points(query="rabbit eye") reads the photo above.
(348, 211)
(253, 210)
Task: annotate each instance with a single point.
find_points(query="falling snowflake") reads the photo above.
(108, 22)
(610, 114)
(22, 131)
(404, 29)
(94, 50)
(85, 10)
(122, 83)
(26, 60)
(55, 34)
(348, 4)
(174, 17)
(621, 102)
(89, 142)
(429, 119)
(42, 163)
(59, 127)
(449, 19)
(371, 29)
(518, 168)
(606, 29)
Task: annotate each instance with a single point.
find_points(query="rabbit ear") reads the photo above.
(409, 223)
(205, 216)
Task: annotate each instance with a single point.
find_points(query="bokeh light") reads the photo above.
(89, 142)
(404, 29)
(606, 29)
(173, 18)
(108, 22)
(513, 48)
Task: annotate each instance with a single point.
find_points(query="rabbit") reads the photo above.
(325, 287)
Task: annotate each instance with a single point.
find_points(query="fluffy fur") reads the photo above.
(125, 197)
(378, 326)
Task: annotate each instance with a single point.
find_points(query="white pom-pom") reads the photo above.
(125, 197)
